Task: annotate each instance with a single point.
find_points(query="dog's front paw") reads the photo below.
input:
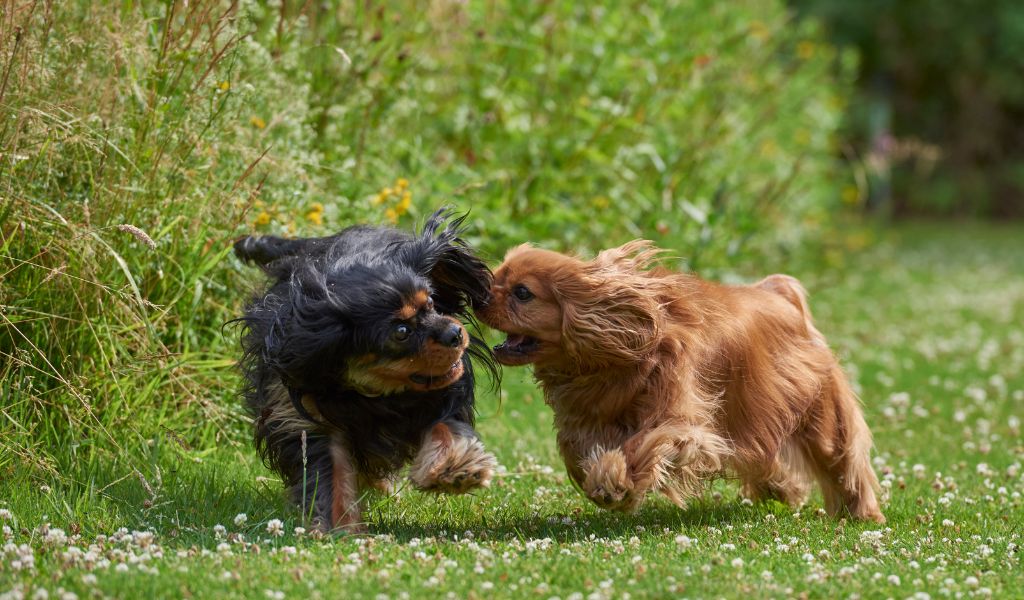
(607, 481)
(452, 464)
(700, 452)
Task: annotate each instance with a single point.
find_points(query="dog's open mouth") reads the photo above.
(517, 349)
(433, 381)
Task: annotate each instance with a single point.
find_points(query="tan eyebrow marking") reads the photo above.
(412, 307)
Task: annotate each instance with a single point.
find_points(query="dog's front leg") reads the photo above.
(608, 481)
(675, 457)
(328, 489)
(452, 460)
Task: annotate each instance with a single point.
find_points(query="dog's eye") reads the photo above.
(522, 293)
(401, 332)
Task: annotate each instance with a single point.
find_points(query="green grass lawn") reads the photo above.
(929, 321)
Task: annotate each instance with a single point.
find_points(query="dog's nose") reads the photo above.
(450, 336)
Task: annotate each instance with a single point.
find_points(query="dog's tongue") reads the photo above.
(514, 339)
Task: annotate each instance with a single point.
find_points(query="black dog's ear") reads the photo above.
(459, 278)
(264, 250)
(299, 328)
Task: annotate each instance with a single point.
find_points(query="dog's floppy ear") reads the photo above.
(608, 318)
(631, 257)
(459, 278)
(298, 328)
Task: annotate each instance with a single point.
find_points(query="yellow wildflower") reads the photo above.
(759, 31)
(263, 218)
(391, 215)
(224, 86)
(805, 49)
(315, 217)
(316, 207)
(380, 199)
(402, 183)
(386, 192)
(857, 240)
(600, 202)
(403, 206)
(851, 195)
(257, 122)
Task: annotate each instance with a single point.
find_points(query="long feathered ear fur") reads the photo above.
(460, 280)
(609, 318)
(295, 335)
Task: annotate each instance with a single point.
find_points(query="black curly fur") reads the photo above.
(332, 299)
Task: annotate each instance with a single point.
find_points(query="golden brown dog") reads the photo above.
(660, 380)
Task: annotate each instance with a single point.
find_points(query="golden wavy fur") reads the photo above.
(660, 380)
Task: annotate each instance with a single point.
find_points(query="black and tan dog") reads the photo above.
(359, 343)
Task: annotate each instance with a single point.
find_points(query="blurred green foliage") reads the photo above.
(708, 127)
(948, 77)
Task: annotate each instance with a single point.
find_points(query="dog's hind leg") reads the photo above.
(838, 444)
(452, 460)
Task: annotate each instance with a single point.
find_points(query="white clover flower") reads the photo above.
(143, 539)
(219, 530)
(685, 542)
(5, 515)
(55, 537)
(737, 563)
(240, 519)
(971, 581)
(893, 579)
(275, 527)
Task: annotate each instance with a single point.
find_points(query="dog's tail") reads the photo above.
(266, 249)
(793, 291)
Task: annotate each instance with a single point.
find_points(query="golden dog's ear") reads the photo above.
(631, 257)
(608, 318)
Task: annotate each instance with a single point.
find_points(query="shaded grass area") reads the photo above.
(927, 319)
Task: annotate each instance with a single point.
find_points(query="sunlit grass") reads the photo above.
(932, 339)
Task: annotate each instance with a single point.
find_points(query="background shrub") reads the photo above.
(139, 139)
(940, 100)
